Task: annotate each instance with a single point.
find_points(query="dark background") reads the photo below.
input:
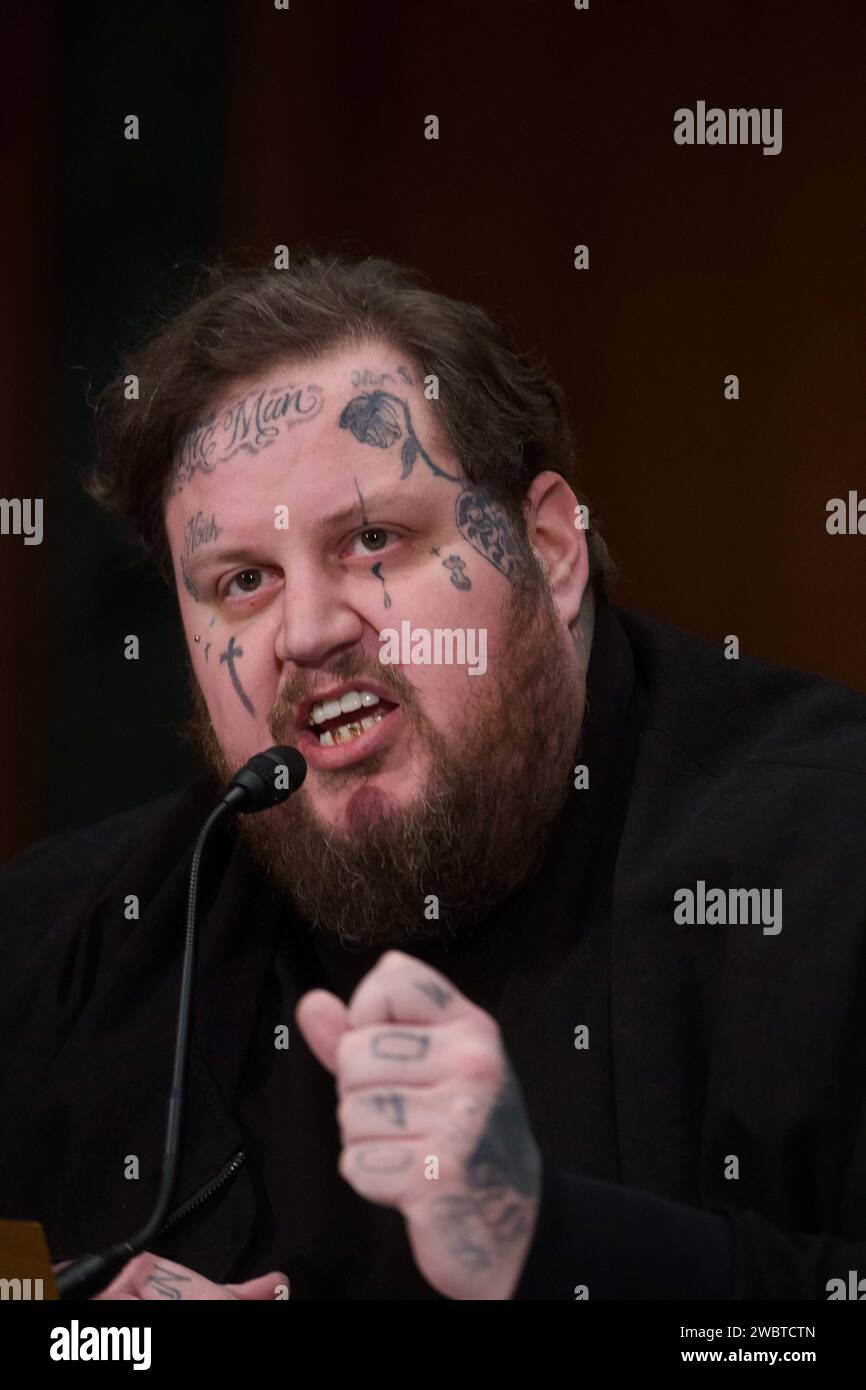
(261, 127)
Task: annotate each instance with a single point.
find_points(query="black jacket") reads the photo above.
(709, 1042)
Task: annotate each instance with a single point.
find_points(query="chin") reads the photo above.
(362, 799)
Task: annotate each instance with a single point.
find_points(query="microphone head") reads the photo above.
(267, 779)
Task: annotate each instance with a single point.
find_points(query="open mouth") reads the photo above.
(350, 717)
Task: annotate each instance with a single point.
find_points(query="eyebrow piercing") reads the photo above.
(196, 638)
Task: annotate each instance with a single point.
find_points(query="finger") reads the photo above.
(386, 1112)
(383, 1172)
(263, 1287)
(466, 1053)
(322, 1019)
(389, 1056)
(401, 989)
(126, 1283)
(149, 1277)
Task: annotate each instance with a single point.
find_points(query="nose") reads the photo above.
(316, 622)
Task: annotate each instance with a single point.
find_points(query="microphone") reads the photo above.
(265, 781)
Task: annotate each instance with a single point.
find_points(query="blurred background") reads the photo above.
(262, 126)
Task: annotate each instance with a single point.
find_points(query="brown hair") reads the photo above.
(499, 413)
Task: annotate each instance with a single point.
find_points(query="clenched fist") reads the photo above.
(432, 1122)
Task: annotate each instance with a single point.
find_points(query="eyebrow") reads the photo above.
(359, 510)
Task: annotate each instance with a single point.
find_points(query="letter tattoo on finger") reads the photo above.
(399, 1046)
(440, 996)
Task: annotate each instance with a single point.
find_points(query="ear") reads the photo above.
(556, 533)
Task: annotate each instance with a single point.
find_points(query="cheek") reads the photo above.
(238, 683)
(448, 695)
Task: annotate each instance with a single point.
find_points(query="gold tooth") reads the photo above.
(354, 728)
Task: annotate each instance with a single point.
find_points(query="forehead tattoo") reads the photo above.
(382, 419)
(247, 426)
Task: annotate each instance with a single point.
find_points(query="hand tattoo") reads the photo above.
(166, 1280)
(399, 1046)
(435, 992)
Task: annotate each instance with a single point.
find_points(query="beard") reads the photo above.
(480, 825)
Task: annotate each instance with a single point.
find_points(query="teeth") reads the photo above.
(345, 733)
(352, 700)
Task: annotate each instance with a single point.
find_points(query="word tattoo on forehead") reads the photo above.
(247, 426)
(457, 567)
(230, 656)
(199, 531)
(362, 376)
(488, 530)
(382, 419)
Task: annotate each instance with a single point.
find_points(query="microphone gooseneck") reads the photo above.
(265, 781)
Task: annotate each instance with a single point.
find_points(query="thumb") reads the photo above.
(264, 1286)
(322, 1018)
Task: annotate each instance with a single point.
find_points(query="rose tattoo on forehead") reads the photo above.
(382, 419)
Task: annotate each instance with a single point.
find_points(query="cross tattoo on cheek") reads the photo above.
(229, 656)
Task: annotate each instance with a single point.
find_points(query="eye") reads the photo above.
(374, 538)
(250, 582)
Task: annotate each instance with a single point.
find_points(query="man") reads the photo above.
(547, 984)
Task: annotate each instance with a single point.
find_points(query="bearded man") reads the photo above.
(458, 1033)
